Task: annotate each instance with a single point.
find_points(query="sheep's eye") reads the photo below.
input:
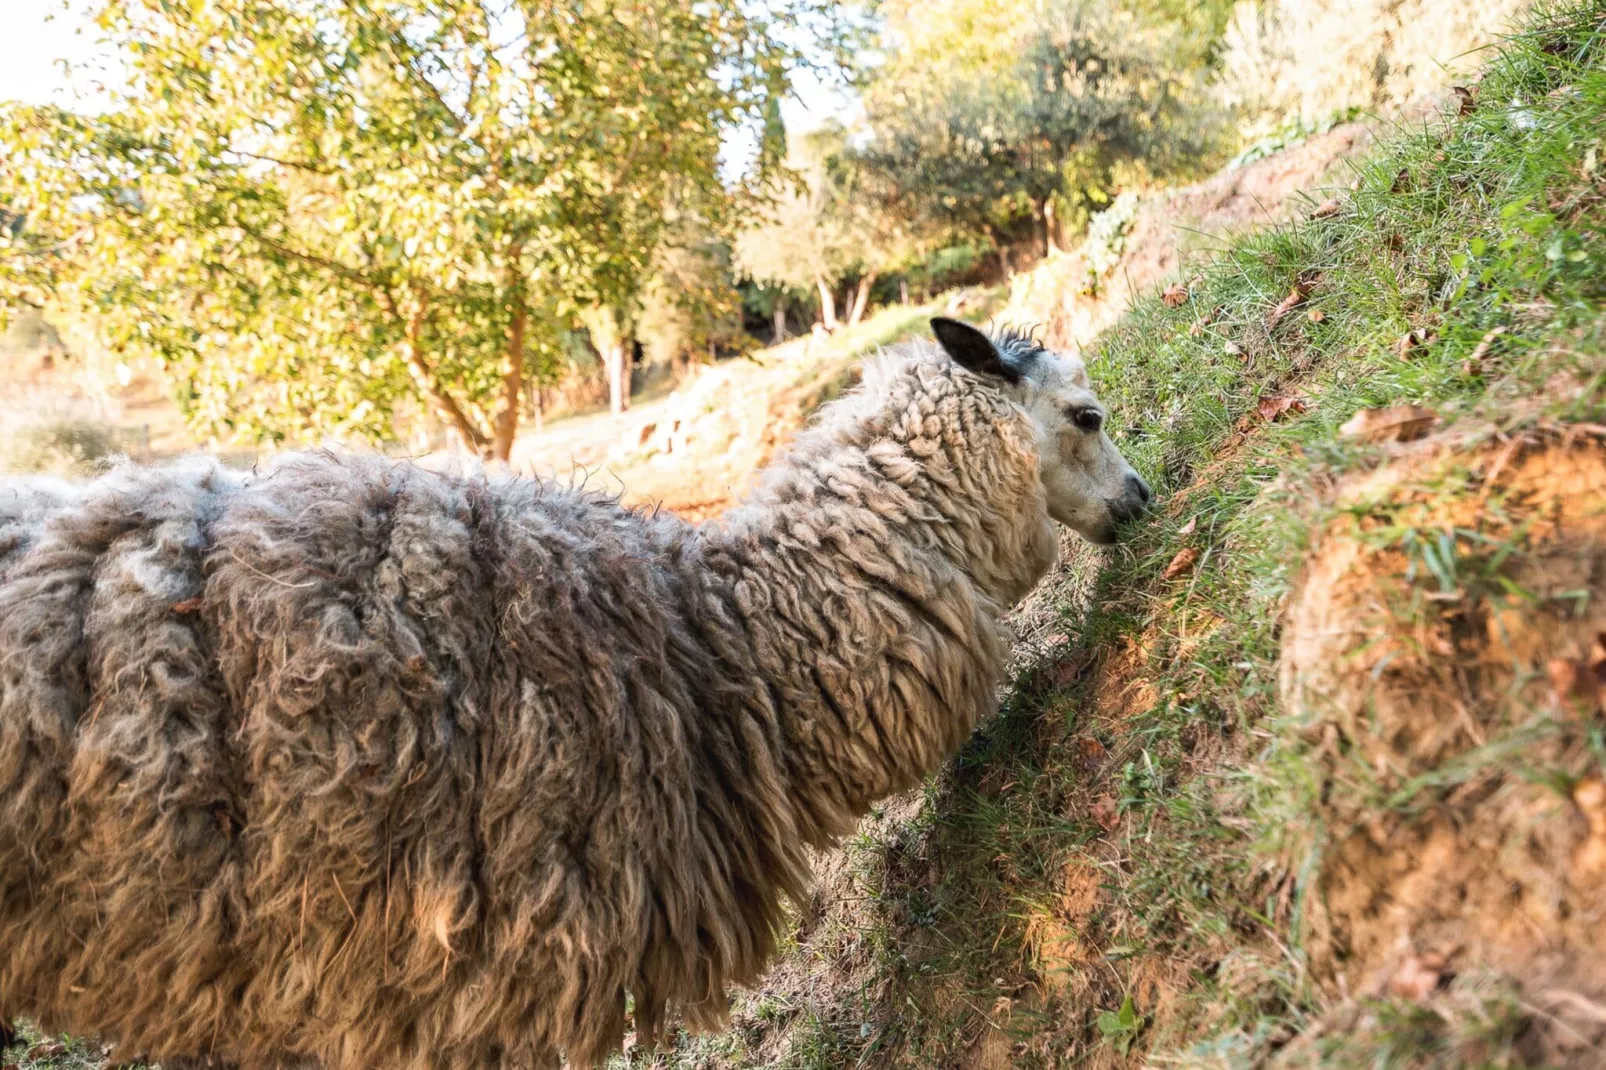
(1087, 419)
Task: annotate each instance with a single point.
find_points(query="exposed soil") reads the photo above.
(1444, 656)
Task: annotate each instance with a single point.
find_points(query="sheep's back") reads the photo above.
(362, 763)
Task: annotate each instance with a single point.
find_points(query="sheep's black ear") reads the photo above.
(972, 349)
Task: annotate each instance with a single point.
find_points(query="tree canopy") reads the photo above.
(324, 215)
(985, 115)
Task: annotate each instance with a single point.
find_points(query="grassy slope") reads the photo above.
(1131, 826)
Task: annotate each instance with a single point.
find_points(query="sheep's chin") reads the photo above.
(1105, 535)
(1099, 530)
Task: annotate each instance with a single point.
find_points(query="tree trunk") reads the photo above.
(827, 304)
(1050, 239)
(507, 421)
(998, 251)
(861, 298)
(779, 316)
(616, 359)
(903, 290)
(611, 337)
(447, 410)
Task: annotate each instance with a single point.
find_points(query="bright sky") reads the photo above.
(35, 36)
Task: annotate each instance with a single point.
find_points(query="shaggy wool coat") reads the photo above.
(353, 762)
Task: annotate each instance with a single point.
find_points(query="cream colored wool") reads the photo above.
(353, 762)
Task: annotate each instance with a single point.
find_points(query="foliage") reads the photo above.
(321, 214)
(800, 241)
(690, 306)
(1302, 60)
(820, 230)
(1121, 1027)
(997, 115)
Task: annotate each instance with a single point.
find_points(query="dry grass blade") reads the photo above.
(1474, 364)
(1397, 423)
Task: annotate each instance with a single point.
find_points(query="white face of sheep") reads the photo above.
(1090, 487)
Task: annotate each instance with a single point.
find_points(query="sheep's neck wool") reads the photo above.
(358, 763)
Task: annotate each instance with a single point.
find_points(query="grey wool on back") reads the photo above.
(352, 762)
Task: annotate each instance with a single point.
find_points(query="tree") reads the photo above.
(798, 246)
(322, 214)
(820, 231)
(691, 307)
(996, 115)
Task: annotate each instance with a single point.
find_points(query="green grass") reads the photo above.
(1184, 805)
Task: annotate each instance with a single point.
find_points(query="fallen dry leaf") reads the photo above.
(1090, 754)
(1581, 682)
(1232, 349)
(1590, 795)
(49, 1050)
(1467, 98)
(1417, 336)
(1315, 315)
(1273, 406)
(1397, 423)
(1174, 295)
(1589, 861)
(1106, 812)
(1417, 977)
(1182, 563)
(1071, 669)
(1187, 529)
(1197, 328)
(1402, 181)
(1295, 298)
(1566, 679)
(1329, 207)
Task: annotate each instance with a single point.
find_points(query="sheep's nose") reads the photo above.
(1136, 487)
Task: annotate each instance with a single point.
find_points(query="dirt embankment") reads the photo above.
(1444, 660)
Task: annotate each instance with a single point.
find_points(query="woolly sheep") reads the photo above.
(355, 763)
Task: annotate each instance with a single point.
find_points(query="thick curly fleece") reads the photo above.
(353, 762)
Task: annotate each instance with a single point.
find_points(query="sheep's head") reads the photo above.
(1090, 487)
